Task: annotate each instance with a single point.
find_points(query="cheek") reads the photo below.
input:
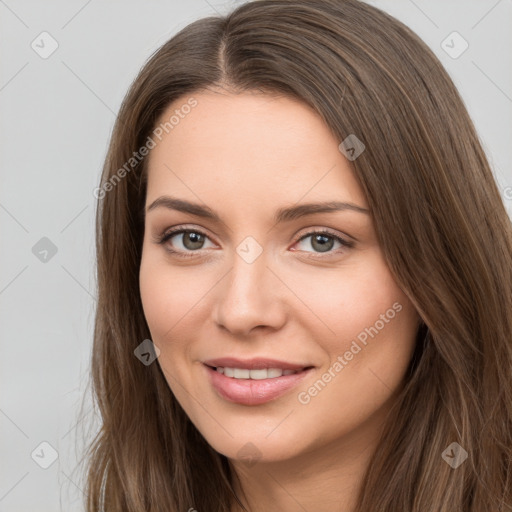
(366, 360)
(371, 333)
(157, 299)
(361, 376)
(344, 302)
(168, 301)
(168, 295)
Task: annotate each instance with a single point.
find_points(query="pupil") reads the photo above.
(193, 240)
(326, 242)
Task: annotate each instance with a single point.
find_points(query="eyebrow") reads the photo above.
(282, 215)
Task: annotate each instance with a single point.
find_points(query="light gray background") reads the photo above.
(57, 116)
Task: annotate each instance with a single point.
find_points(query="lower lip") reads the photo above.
(252, 391)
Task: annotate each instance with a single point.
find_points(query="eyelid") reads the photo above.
(179, 229)
(322, 229)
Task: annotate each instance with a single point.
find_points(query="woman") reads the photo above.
(304, 272)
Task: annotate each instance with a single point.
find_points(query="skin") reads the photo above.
(246, 155)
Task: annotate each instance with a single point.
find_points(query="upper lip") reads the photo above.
(257, 363)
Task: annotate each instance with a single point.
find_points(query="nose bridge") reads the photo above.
(248, 297)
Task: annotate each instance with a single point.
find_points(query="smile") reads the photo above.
(254, 386)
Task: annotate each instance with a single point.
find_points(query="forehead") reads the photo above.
(248, 148)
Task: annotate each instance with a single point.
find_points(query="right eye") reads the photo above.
(183, 240)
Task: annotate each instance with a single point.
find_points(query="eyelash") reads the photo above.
(166, 235)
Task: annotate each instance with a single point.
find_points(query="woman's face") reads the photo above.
(250, 286)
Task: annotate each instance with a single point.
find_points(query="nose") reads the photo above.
(250, 298)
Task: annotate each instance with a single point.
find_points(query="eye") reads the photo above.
(323, 241)
(185, 240)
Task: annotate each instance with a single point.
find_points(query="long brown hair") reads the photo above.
(440, 221)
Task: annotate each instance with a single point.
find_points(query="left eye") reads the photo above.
(323, 241)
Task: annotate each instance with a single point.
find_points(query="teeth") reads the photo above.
(241, 373)
(260, 374)
(274, 372)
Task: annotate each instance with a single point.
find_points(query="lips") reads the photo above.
(246, 390)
